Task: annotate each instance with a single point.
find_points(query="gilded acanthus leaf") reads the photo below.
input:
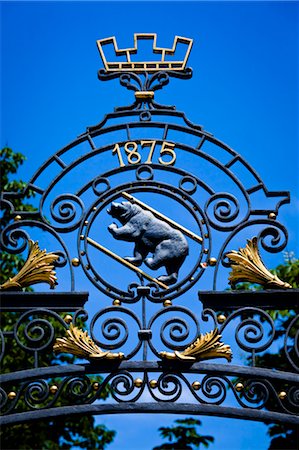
(206, 346)
(79, 343)
(248, 266)
(38, 268)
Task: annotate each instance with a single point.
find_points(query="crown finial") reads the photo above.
(130, 64)
(166, 62)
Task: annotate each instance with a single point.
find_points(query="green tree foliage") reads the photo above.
(183, 436)
(60, 433)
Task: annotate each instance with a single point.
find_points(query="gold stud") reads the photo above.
(95, 386)
(167, 303)
(206, 235)
(206, 251)
(239, 387)
(68, 318)
(94, 208)
(53, 389)
(196, 385)
(153, 384)
(11, 395)
(221, 318)
(85, 222)
(272, 216)
(87, 267)
(116, 302)
(212, 262)
(82, 237)
(82, 253)
(75, 262)
(138, 382)
(17, 218)
(282, 395)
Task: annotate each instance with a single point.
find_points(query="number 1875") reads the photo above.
(134, 156)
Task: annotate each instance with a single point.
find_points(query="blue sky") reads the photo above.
(244, 90)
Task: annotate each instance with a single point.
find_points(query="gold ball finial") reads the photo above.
(138, 382)
(221, 318)
(167, 303)
(116, 302)
(68, 318)
(11, 395)
(282, 395)
(272, 216)
(212, 262)
(95, 386)
(75, 262)
(196, 385)
(239, 387)
(17, 218)
(53, 389)
(153, 384)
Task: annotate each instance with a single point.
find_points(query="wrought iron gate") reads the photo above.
(185, 198)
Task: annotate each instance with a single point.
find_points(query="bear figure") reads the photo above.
(150, 235)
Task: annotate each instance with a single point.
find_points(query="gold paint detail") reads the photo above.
(196, 385)
(116, 302)
(239, 387)
(53, 389)
(11, 395)
(143, 95)
(212, 262)
(153, 384)
(206, 346)
(138, 382)
(148, 66)
(75, 262)
(221, 318)
(248, 266)
(167, 303)
(272, 216)
(38, 268)
(17, 218)
(282, 395)
(157, 214)
(68, 318)
(124, 262)
(79, 343)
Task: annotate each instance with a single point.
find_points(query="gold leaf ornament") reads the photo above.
(79, 343)
(38, 268)
(206, 346)
(248, 266)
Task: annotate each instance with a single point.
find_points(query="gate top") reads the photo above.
(148, 183)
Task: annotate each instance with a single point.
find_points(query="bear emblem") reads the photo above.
(168, 246)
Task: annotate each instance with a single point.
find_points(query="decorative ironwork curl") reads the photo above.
(169, 385)
(38, 333)
(114, 329)
(178, 329)
(292, 352)
(226, 209)
(214, 389)
(67, 213)
(37, 393)
(252, 330)
(78, 389)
